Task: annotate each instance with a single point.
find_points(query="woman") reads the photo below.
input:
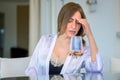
(52, 53)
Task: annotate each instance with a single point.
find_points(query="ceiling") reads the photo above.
(14, 0)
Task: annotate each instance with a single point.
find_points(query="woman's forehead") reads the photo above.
(76, 16)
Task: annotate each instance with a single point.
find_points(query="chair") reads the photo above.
(115, 65)
(0, 66)
(17, 52)
(11, 67)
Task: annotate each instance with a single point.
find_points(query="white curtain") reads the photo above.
(34, 24)
(43, 19)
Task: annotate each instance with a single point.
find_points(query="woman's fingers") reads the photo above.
(86, 27)
(77, 53)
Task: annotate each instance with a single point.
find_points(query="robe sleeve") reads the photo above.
(96, 66)
(32, 68)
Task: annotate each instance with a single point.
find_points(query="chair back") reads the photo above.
(115, 65)
(11, 67)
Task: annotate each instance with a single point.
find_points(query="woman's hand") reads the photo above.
(92, 43)
(86, 27)
(77, 53)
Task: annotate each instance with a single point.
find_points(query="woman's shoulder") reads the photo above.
(86, 48)
(47, 37)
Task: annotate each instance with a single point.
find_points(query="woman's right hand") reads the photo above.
(77, 53)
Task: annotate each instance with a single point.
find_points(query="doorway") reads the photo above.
(22, 26)
(21, 50)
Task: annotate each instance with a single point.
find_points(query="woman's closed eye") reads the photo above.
(78, 23)
(70, 20)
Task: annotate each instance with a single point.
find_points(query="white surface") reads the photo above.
(115, 65)
(11, 67)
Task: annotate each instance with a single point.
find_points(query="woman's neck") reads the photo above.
(64, 38)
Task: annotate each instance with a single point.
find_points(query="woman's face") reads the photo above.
(73, 25)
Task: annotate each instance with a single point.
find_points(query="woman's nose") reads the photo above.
(73, 24)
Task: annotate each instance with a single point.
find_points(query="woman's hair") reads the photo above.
(66, 12)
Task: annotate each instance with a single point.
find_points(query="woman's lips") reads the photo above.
(72, 31)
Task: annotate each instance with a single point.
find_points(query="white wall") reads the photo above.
(10, 25)
(104, 24)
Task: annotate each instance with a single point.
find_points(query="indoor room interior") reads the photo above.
(22, 22)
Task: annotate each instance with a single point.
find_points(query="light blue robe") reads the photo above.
(39, 64)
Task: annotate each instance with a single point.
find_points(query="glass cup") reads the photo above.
(76, 44)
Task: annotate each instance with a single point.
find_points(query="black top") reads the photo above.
(53, 69)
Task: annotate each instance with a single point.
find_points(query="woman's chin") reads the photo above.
(72, 35)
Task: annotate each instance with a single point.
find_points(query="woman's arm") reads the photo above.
(92, 43)
(93, 47)
(96, 66)
(32, 68)
(93, 62)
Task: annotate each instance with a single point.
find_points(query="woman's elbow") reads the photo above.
(95, 69)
